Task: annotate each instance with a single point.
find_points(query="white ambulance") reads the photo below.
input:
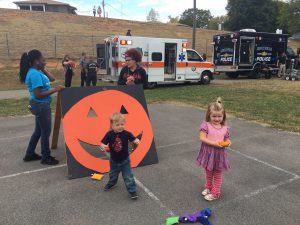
(164, 59)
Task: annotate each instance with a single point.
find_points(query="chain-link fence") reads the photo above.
(56, 46)
(53, 46)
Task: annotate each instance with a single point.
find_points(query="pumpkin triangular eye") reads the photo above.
(123, 110)
(92, 113)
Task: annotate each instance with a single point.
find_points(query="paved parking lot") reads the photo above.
(261, 188)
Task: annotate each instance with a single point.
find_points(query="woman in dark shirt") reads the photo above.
(133, 73)
(68, 66)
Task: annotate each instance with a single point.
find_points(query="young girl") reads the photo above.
(214, 136)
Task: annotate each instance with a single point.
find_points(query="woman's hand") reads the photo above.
(58, 88)
(130, 80)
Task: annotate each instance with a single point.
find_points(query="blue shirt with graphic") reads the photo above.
(35, 79)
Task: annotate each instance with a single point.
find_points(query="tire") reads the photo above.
(151, 85)
(268, 76)
(232, 75)
(205, 77)
(254, 74)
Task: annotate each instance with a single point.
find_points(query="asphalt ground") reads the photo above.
(262, 187)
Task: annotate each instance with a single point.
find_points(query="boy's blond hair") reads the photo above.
(116, 117)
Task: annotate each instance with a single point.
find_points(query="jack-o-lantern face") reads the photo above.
(79, 127)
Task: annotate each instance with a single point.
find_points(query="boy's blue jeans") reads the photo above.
(125, 168)
(42, 113)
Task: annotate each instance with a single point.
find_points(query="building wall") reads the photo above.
(56, 8)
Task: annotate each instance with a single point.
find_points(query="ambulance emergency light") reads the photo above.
(125, 42)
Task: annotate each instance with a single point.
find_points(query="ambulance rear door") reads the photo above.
(155, 64)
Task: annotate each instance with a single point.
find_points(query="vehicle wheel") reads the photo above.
(205, 78)
(151, 85)
(268, 76)
(232, 75)
(254, 74)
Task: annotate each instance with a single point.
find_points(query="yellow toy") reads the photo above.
(97, 176)
(224, 143)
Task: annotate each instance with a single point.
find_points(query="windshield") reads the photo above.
(290, 51)
(193, 56)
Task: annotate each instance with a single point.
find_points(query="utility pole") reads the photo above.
(103, 6)
(194, 25)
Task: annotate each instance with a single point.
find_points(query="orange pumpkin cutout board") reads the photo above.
(86, 113)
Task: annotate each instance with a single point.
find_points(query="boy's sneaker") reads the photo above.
(205, 192)
(133, 195)
(49, 161)
(33, 157)
(108, 187)
(210, 197)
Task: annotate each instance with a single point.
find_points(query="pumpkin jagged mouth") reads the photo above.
(95, 151)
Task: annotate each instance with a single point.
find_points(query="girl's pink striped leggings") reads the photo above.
(213, 182)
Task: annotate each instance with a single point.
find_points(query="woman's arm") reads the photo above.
(144, 78)
(121, 81)
(203, 138)
(39, 94)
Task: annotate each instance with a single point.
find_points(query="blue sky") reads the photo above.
(138, 9)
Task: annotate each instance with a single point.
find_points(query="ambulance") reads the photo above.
(165, 60)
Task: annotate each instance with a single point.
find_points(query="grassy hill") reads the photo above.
(73, 34)
(57, 34)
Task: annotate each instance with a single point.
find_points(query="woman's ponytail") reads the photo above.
(24, 66)
(26, 62)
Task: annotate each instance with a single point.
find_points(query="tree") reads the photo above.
(173, 19)
(202, 17)
(215, 21)
(258, 14)
(153, 16)
(289, 17)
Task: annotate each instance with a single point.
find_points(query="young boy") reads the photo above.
(116, 141)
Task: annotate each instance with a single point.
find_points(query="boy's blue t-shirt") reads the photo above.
(35, 79)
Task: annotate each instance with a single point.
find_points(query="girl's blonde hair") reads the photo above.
(216, 106)
(116, 117)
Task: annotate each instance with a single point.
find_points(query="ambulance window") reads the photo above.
(156, 56)
(114, 51)
(193, 56)
(123, 50)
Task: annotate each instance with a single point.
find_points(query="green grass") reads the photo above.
(18, 107)
(264, 106)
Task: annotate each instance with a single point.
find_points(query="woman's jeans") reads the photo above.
(42, 113)
(125, 168)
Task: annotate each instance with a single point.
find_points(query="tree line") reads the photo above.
(261, 15)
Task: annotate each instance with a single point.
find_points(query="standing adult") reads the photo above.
(128, 33)
(133, 73)
(37, 79)
(94, 10)
(91, 71)
(83, 62)
(68, 66)
(99, 11)
(281, 64)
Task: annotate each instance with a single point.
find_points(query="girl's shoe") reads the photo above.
(205, 192)
(210, 197)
